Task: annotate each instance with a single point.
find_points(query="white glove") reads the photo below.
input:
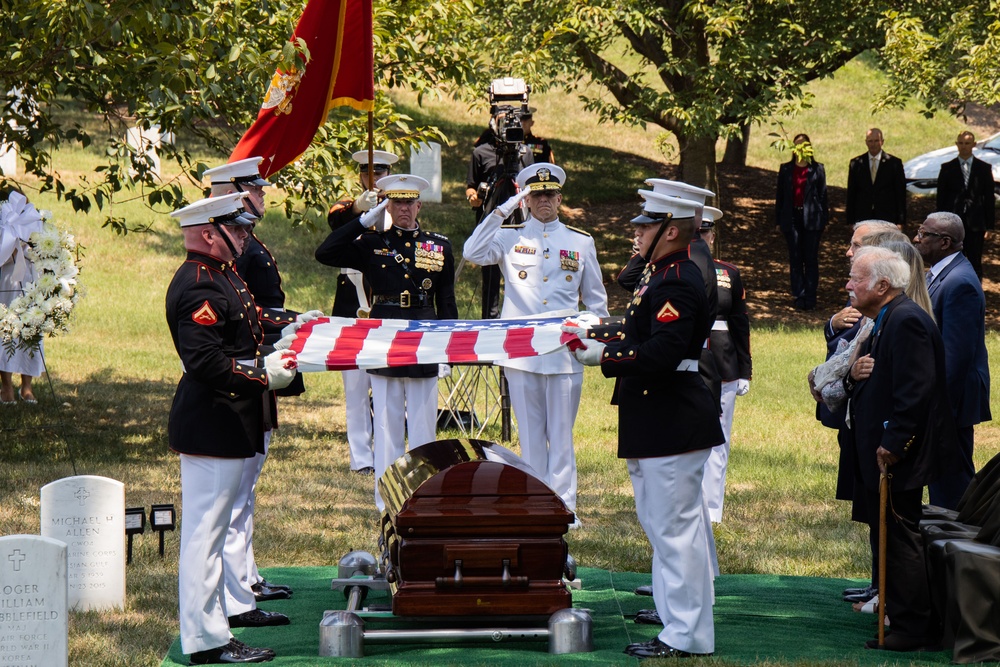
(367, 201)
(591, 355)
(285, 342)
(742, 387)
(308, 316)
(586, 319)
(372, 216)
(281, 369)
(505, 209)
(570, 327)
(444, 371)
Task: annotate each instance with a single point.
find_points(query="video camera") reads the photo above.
(508, 99)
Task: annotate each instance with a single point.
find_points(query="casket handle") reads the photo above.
(460, 580)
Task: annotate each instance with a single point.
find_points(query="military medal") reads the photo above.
(522, 274)
(426, 283)
(569, 260)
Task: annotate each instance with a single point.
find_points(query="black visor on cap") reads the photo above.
(234, 219)
(378, 167)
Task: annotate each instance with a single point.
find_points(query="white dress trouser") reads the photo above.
(671, 510)
(403, 407)
(357, 384)
(545, 407)
(240, 565)
(208, 487)
(714, 484)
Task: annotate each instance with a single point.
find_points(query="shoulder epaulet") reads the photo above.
(577, 230)
(520, 226)
(727, 264)
(437, 236)
(341, 205)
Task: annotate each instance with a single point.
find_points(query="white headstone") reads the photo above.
(88, 514)
(8, 160)
(33, 619)
(145, 143)
(426, 163)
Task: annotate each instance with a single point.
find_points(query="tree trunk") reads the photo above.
(736, 148)
(698, 162)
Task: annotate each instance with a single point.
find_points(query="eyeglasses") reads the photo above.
(922, 234)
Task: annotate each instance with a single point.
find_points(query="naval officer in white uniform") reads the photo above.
(546, 266)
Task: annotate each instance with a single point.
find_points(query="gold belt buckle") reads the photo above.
(404, 299)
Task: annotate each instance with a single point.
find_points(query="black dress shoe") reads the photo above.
(257, 618)
(275, 587)
(855, 591)
(644, 590)
(366, 471)
(897, 642)
(237, 642)
(648, 617)
(654, 648)
(232, 653)
(863, 596)
(262, 593)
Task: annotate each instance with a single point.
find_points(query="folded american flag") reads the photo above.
(341, 343)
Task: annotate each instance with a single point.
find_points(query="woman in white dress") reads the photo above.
(17, 220)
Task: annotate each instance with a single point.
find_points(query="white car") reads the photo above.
(922, 171)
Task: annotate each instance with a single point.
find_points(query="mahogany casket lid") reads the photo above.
(458, 480)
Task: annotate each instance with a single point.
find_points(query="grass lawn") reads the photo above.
(113, 379)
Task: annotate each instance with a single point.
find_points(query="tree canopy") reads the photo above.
(945, 54)
(197, 69)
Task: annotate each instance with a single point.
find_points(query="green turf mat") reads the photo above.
(758, 619)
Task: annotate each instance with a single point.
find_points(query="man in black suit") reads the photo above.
(965, 186)
(903, 425)
(960, 312)
(876, 185)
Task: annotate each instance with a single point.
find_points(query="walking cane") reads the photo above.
(883, 500)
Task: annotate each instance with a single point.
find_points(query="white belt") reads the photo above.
(688, 365)
(720, 325)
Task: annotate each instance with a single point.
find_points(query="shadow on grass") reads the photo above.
(99, 420)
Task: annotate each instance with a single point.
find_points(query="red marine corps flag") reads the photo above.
(340, 72)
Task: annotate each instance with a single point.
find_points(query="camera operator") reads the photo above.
(539, 147)
(494, 168)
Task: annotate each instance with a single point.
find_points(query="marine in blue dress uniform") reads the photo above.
(353, 299)
(218, 413)
(412, 275)
(668, 421)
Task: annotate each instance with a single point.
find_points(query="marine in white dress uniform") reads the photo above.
(412, 275)
(353, 299)
(668, 421)
(256, 266)
(730, 346)
(217, 416)
(546, 266)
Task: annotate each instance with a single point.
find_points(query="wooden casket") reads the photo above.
(468, 530)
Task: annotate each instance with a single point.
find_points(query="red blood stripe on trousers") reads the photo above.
(344, 355)
(518, 343)
(462, 347)
(403, 349)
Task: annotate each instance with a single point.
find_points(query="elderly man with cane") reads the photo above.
(903, 429)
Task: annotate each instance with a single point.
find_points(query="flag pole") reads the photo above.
(371, 150)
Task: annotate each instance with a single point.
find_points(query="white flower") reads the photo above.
(45, 305)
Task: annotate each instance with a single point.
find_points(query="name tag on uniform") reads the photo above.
(569, 260)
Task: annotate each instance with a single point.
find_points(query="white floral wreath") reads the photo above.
(43, 258)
